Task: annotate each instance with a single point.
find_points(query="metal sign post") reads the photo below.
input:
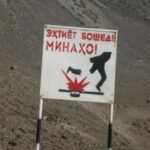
(78, 64)
(110, 126)
(38, 132)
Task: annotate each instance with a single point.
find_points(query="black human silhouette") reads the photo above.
(74, 71)
(99, 64)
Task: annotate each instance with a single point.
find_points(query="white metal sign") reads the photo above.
(78, 64)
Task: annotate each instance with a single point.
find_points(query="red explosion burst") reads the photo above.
(75, 85)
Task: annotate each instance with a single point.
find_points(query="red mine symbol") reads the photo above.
(76, 87)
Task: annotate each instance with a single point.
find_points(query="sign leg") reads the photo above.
(110, 127)
(38, 132)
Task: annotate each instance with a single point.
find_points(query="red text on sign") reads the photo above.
(81, 48)
(69, 34)
(96, 37)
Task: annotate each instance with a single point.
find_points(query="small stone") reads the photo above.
(13, 67)
(116, 134)
(147, 101)
(148, 17)
(20, 95)
(10, 74)
(123, 148)
(9, 85)
(140, 61)
(45, 117)
(118, 106)
(12, 143)
(4, 129)
(148, 130)
(118, 144)
(63, 136)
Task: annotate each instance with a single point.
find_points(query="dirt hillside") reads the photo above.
(73, 125)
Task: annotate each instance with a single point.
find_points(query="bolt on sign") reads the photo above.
(78, 64)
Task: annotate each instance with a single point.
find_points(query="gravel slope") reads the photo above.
(73, 125)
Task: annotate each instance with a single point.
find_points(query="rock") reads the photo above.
(20, 95)
(147, 101)
(13, 67)
(45, 117)
(123, 148)
(116, 134)
(119, 106)
(148, 130)
(63, 137)
(4, 129)
(140, 60)
(10, 74)
(12, 143)
(148, 17)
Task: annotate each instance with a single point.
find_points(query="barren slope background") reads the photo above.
(73, 125)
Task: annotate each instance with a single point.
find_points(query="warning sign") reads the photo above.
(78, 64)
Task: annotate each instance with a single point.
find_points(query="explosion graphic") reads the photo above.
(76, 85)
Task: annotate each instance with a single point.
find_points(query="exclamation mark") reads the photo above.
(114, 38)
(95, 48)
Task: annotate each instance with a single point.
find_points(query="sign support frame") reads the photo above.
(39, 121)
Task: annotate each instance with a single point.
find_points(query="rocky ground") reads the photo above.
(73, 125)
